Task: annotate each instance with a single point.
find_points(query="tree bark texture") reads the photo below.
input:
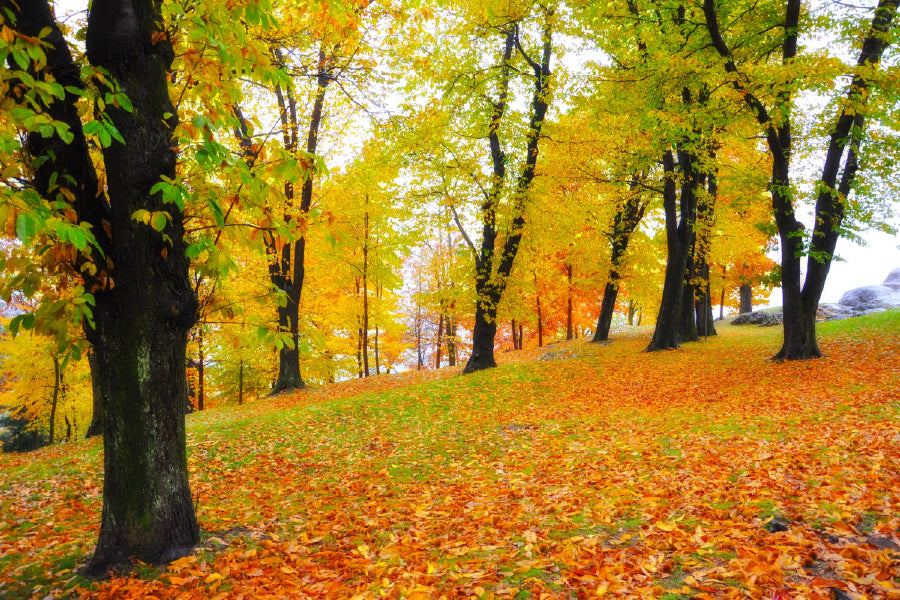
(96, 426)
(142, 323)
(746, 294)
(144, 301)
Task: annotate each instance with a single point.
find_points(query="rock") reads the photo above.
(870, 297)
(763, 319)
(893, 280)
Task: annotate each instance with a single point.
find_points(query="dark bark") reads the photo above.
(705, 319)
(142, 323)
(540, 316)
(722, 295)
(838, 172)
(521, 346)
(569, 334)
(364, 330)
(57, 380)
(96, 426)
(483, 335)
(492, 268)
(631, 311)
(201, 364)
(142, 320)
(451, 341)
(746, 293)
(679, 230)
(287, 266)
(241, 382)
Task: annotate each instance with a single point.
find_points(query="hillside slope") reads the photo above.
(708, 472)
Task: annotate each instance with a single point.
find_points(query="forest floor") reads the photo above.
(708, 472)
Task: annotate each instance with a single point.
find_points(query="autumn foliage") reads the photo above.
(593, 472)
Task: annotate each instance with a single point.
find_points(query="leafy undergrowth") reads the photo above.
(703, 473)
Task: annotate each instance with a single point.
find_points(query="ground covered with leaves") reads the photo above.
(597, 471)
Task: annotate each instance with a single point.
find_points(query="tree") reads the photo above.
(136, 271)
(478, 104)
(772, 108)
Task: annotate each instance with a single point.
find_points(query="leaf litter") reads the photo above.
(703, 473)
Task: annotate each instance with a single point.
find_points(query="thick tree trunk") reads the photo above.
(483, 335)
(678, 237)
(838, 171)
(490, 282)
(142, 323)
(289, 377)
(521, 345)
(607, 308)
(631, 311)
(746, 293)
(96, 426)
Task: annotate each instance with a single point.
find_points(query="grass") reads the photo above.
(605, 470)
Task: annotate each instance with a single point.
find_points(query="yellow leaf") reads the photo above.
(213, 578)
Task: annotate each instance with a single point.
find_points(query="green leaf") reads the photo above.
(193, 250)
(25, 227)
(218, 215)
(159, 220)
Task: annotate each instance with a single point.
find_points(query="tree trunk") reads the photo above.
(142, 322)
(626, 220)
(437, 349)
(607, 308)
(57, 380)
(201, 388)
(687, 325)
(705, 320)
(451, 341)
(515, 340)
(483, 335)
(521, 345)
(492, 269)
(377, 355)
(241, 382)
(746, 298)
(96, 426)
(569, 335)
(678, 237)
(631, 311)
(722, 296)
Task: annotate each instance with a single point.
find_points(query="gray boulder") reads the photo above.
(764, 319)
(893, 280)
(870, 297)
